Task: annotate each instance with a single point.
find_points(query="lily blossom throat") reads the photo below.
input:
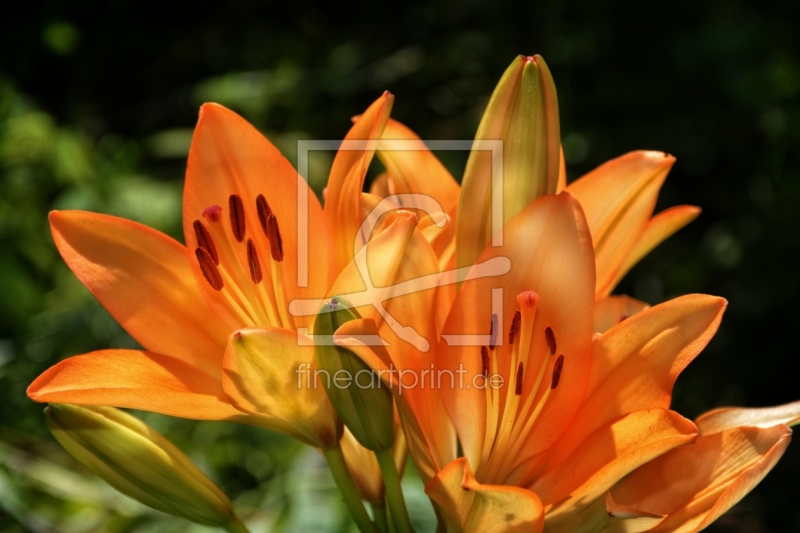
(234, 269)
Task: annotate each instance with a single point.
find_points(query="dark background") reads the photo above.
(97, 102)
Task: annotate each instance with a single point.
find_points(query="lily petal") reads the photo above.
(611, 310)
(346, 180)
(470, 507)
(549, 250)
(142, 277)
(635, 363)
(135, 380)
(606, 456)
(229, 156)
(694, 485)
(269, 373)
(655, 232)
(414, 169)
(762, 417)
(618, 198)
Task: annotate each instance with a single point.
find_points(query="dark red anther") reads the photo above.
(518, 384)
(264, 211)
(275, 239)
(204, 240)
(253, 263)
(237, 216)
(209, 269)
(516, 323)
(550, 338)
(557, 368)
(493, 332)
(212, 213)
(485, 362)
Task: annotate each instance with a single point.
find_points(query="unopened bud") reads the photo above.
(356, 392)
(141, 463)
(523, 114)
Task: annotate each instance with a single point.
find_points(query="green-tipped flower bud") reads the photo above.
(355, 390)
(523, 114)
(139, 462)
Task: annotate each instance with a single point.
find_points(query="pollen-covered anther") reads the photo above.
(527, 299)
(253, 263)
(209, 269)
(557, 369)
(518, 383)
(212, 213)
(237, 216)
(550, 338)
(204, 240)
(493, 332)
(264, 211)
(275, 239)
(485, 362)
(516, 323)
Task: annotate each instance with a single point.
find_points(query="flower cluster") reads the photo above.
(310, 320)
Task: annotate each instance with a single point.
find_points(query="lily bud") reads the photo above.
(523, 114)
(139, 462)
(355, 390)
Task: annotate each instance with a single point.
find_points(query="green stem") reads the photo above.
(347, 487)
(379, 511)
(394, 494)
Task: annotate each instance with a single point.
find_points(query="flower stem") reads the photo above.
(379, 511)
(347, 487)
(394, 494)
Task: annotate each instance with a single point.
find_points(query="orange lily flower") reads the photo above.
(219, 341)
(551, 417)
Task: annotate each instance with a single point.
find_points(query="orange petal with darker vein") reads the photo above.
(618, 198)
(606, 456)
(655, 232)
(135, 380)
(694, 485)
(143, 278)
(635, 363)
(346, 180)
(470, 507)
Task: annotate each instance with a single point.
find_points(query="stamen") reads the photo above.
(493, 332)
(485, 362)
(209, 269)
(205, 241)
(518, 388)
(237, 216)
(557, 368)
(264, 211)
(212, 213)
(275, 239)
(252, 261)
(516, 323)
(550, 337)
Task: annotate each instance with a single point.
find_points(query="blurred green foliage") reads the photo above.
(97, 104)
